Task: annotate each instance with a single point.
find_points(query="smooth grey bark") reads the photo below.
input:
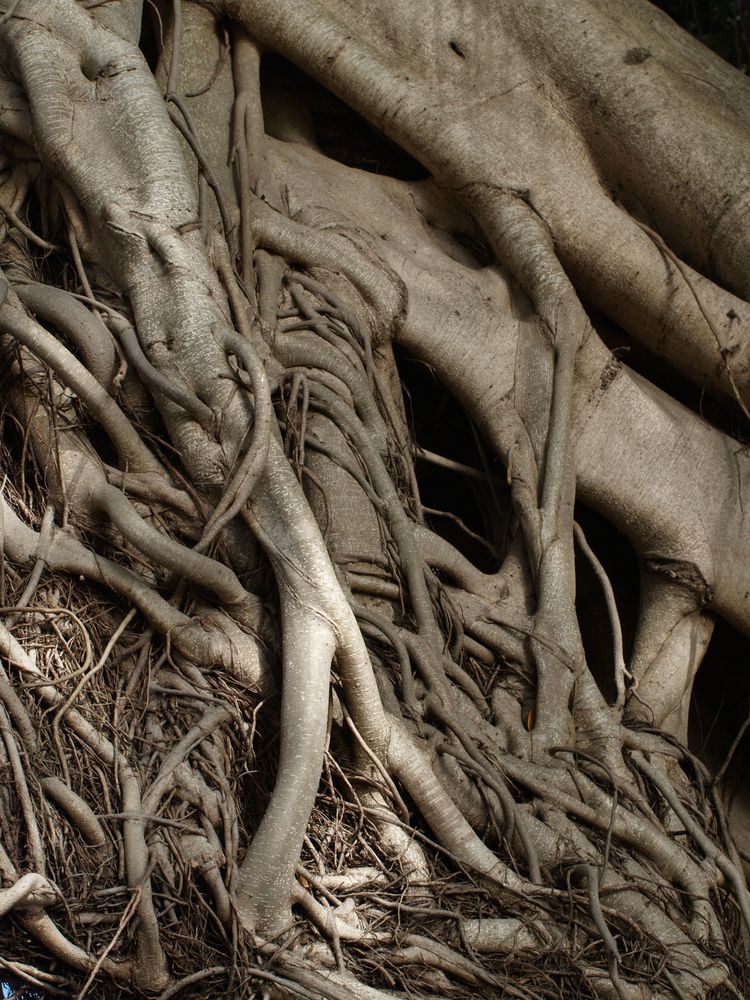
(265, 518)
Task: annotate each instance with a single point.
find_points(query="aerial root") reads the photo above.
(30, 891)
(235, 652)
(453, 721)
(73, 806)
(15, 322)
(158, 384)
(240, 490)
(725, 865)
(90, 336)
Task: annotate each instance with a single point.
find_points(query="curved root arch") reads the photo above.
(266, 727)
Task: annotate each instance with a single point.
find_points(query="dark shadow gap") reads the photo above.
(618, 558)
(341, 133)
(723, 26)
(440, 426)
(150, 41)
(720, 706)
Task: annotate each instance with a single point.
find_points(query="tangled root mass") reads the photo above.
(294, 699)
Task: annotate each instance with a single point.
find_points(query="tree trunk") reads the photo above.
(330, 329)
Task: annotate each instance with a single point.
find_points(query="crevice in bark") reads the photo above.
(338, 131)
(473, 490)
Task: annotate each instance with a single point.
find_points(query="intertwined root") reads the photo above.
(264, 726)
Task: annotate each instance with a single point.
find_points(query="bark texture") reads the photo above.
(294, 698)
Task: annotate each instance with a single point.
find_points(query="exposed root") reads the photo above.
(271, 724)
